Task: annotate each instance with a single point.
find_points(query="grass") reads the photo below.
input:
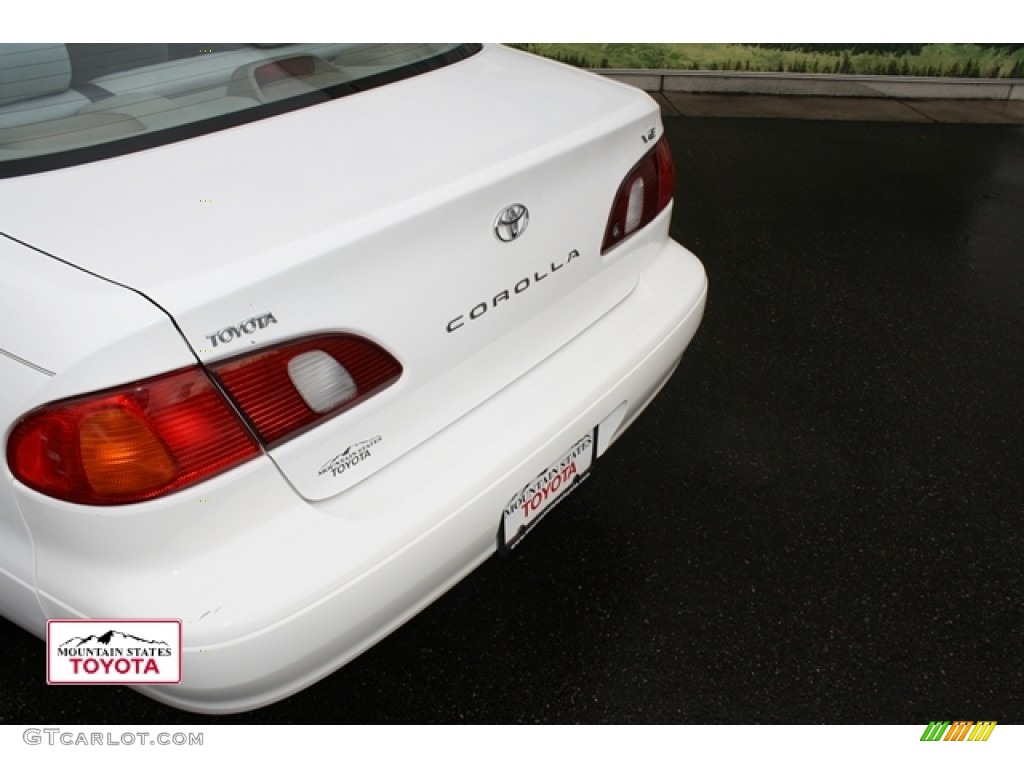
(914, 59)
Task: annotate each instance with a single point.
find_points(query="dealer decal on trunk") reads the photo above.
(355, 454)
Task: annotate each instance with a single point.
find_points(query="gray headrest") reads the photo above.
(31, 70)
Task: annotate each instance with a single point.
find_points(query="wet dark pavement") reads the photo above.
(821, 519)
(886, 110)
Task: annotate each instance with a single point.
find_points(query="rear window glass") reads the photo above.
(63, 104)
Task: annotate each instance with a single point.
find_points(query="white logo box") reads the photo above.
(113, 651)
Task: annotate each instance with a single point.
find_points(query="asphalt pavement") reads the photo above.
(820, 518)
(864, 109)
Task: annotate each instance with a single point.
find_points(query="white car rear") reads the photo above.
(293, 338)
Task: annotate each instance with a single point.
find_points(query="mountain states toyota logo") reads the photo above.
(114, 652)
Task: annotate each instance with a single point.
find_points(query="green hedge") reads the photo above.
(989, 60)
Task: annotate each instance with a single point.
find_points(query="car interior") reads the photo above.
(56, 96)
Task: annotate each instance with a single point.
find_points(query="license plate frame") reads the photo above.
(548, 489)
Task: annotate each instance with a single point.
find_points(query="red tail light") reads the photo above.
(644, 193)
(159, 435)
(132, 443)
(286, 389)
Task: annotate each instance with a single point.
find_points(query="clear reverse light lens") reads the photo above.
(635, 208)
(322, 381)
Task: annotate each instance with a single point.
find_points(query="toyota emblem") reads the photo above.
(511, 223)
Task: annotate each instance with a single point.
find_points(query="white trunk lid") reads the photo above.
(374, 214)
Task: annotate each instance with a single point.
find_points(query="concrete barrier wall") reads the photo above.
(794, 84)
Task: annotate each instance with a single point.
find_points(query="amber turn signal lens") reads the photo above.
(121, 454)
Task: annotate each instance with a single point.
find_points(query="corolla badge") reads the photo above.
(511, 222)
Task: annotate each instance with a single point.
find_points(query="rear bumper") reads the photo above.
(276, 592)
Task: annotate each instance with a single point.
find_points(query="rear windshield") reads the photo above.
(67, 104)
